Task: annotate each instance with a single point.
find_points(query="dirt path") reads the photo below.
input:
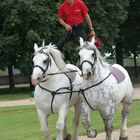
(29, 101)
(133, 134)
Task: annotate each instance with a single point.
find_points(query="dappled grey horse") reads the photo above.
(104, 86)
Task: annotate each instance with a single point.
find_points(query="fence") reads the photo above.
(20, 79)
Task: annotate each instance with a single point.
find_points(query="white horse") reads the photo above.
(56, 89)
(104, 86)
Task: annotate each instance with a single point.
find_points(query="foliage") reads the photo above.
(107, 16)
(22, 23)
(131, 29)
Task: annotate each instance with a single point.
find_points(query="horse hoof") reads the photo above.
(125, 138)
(68, 137)
(92, 133)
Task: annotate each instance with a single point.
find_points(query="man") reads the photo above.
(72, 14)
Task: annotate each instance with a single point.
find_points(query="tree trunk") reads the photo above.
(119, 51)
(11, 78)
(135, 65)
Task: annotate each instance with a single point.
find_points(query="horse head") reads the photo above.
(41, 63)
(46, 59)
(88, 57)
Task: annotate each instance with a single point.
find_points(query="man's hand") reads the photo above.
(68, 27)
(62, 22)
(92, 34)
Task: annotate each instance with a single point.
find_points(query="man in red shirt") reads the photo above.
(72, 14)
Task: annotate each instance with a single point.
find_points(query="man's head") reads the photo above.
(70, 1)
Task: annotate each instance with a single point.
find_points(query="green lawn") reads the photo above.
(15, 95)
(21, 122)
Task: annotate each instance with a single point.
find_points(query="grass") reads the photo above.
(15, 95)
(21, 122)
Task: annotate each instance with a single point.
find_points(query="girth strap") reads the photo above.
(53, 93)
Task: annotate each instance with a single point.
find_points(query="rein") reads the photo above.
(62, 72)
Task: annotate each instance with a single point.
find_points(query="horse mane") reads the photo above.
(57, 56)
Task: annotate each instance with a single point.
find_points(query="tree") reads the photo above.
(130, 31)
(22, 23)
(107, 16)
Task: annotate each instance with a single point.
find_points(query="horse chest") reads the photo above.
(102, 95)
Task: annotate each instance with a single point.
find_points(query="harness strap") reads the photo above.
(71, 87)
(82, 90)
(53, 93)
(62, 72)
(98, 82)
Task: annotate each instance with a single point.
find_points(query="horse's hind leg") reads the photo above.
(76, 120)
(91, 133)
(125, 111)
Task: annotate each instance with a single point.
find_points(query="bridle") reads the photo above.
(48, 62)
(87, 61)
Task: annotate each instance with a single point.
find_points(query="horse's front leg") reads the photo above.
(108, 120)
(62, 114)
(44, 123)
(91, 133)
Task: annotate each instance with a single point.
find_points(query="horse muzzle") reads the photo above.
(86, 75)
(34, 81)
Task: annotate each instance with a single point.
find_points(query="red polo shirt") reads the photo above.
(73, 14)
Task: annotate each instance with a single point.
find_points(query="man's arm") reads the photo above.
(88, 20)
(62, 22)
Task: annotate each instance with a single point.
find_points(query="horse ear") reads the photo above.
(81, 41)
(92, 43)
(43, 43)
(35, 47)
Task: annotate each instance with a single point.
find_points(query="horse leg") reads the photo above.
(62, 114)
(91, 133)
(76, 120)
(44, 124)
(108, 120)
(123, 130)
(66, 136)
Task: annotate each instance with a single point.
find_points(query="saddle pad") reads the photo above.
(71, 75)
(118, 74)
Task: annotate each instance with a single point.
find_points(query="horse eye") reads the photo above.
(93, 54)
(45, 61)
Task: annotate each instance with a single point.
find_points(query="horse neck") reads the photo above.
(101, 71)
(53, 68)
